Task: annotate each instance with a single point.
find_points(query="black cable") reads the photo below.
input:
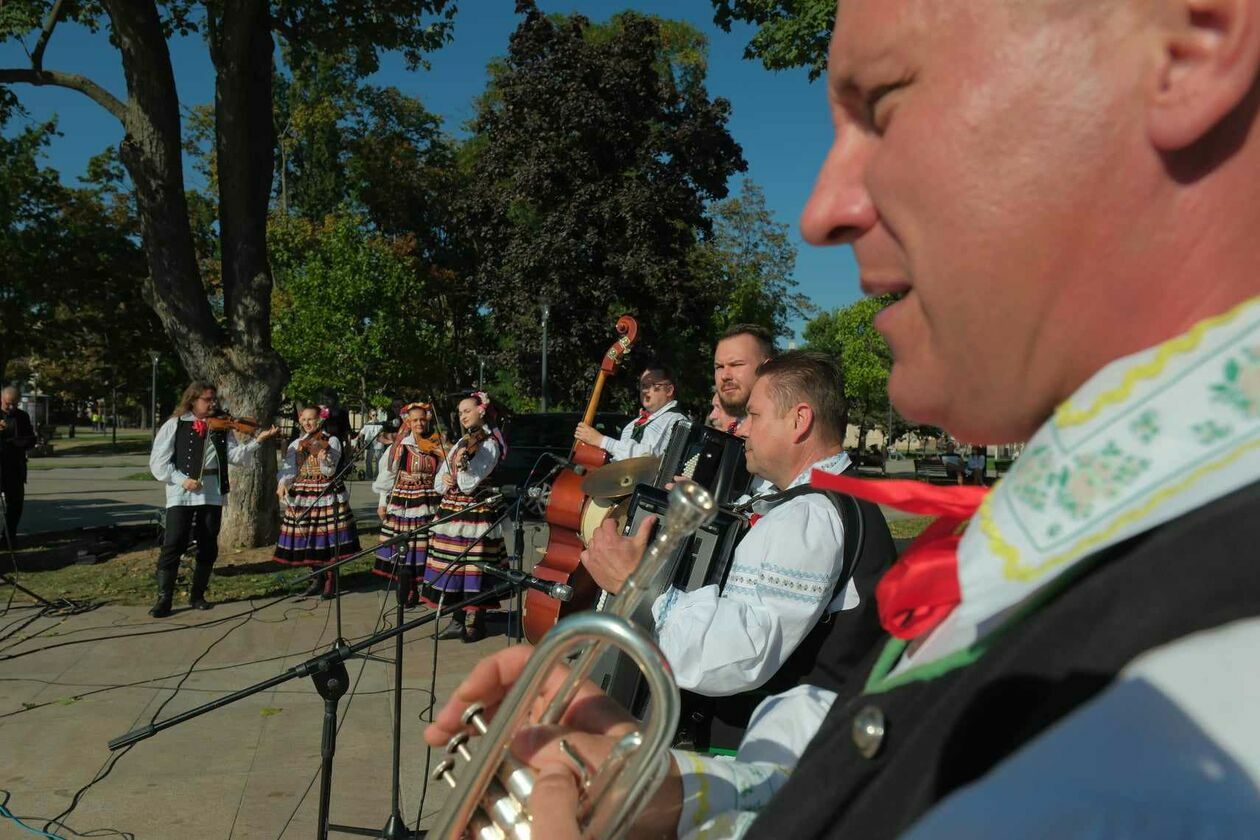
(113, 760)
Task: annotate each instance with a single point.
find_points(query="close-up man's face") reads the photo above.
(973, 164)
(735, 362)
(768, 431)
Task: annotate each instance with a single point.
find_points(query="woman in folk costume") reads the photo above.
(318, 526)
(471, 533)
(408, 499)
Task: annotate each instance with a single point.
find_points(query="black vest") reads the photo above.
(828, 655)
(1192, 574)
(190, 451)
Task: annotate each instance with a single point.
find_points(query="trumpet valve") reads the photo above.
(442, 773)
(474, 716)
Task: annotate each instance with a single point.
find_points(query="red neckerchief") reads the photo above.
(921, 588)
(644, 416)
(732, 427)
(199, 426)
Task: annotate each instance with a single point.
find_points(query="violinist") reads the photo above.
(408, 498)
(317, 527)
(472, 528)
(196, 479)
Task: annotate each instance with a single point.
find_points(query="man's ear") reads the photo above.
(804, 421)
(1210, 56)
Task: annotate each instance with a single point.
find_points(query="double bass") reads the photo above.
(561, 562)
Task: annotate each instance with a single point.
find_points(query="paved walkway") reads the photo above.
(237, 772)
(76, 491)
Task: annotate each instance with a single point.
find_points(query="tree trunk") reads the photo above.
(240, 360)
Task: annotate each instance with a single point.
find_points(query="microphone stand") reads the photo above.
(329, 675)
(44, 603)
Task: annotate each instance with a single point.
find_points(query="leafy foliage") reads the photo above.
(791, 33)
(71, 307)
(752, 259)
(848, 335)
(351, 311)
(594, 153)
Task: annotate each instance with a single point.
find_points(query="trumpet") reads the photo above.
(489, 798)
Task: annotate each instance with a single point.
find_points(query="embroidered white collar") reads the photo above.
(1147, 439)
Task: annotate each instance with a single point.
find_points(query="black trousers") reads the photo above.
(12, 479)
(190, 521)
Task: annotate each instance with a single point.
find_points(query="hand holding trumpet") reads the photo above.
(562, 755)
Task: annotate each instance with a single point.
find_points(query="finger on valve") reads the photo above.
(553, 804)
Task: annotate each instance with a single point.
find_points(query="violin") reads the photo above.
(467, 446)
(314, 445)
(223, 422)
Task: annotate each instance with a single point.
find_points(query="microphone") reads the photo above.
(559, 591)
(566, 463)
(512, 491)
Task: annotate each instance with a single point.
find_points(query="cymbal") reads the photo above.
(612, 481)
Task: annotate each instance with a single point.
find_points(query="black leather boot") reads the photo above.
(475, 627)
(197, 594)
(166, 592)
(454, 630)
(315, 587)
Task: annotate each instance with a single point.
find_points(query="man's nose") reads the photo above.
(840, 208)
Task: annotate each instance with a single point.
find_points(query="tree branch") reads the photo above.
(73, 81)
(37, 57)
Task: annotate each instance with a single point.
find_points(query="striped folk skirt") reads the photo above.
(468, 534)
(411, 504)
(317, 527)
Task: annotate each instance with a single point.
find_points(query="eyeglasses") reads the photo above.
(655, 386)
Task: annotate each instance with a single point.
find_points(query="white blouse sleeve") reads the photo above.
(481, 465)
(781, 581)
(160, 458)
(288, 465)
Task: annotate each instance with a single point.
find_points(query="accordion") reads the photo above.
(715, 460)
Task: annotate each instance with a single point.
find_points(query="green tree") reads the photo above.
(790, 33)
(751, 258)
(232, 345)
(848, 335)
(71, 305)
(351, 310)
(594, 153)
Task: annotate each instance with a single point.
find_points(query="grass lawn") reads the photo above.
(48, 566)
(907, 529)
(88, 442)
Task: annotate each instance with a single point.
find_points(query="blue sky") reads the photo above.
(780, 119)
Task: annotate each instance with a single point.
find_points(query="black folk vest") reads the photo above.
(829, 653)
(190, 452)
(1192, 574)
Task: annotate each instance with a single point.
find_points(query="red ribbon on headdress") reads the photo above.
(199, 426)
(921, 588)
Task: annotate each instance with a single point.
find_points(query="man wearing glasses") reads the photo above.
(649, 433)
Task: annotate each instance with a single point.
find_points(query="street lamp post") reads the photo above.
(154, 355)
(546, 313)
